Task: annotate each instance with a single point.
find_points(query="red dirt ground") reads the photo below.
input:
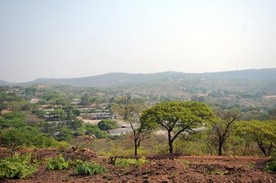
(163, 169)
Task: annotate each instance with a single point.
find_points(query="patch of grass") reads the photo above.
(57, 163)
(17, 167)
(87, 168)
(271, 166)
(123, 162)
(218, 172)
(187, 163)
(251, 165)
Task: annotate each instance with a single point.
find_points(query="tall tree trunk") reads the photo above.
(170, 142)
(262, 148)
(136, 147)
(220, 149)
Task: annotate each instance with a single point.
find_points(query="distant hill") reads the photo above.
(244, 80)
(4, 83)
(252, 74)
(115, 79)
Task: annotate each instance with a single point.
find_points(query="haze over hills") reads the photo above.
(261, 79)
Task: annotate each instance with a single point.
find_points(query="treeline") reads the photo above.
(189, 127)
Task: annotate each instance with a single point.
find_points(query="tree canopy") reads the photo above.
(178, 117)
(261, 132)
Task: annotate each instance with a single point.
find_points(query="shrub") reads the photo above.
(87, 168)
(25, 136)
(107, 124)
(57, 163)
(271, 166)
(122, 162)
(17, 167)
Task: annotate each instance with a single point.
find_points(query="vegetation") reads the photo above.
(123, 162)
(57, 163)
(87, 168)
(17, 167)
(154, 118)
(222, 127)
(131, 111)
(107, 124)
(178, 117)
(271, 166)
(260, 132)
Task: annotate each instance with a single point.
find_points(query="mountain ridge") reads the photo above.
(120, 78)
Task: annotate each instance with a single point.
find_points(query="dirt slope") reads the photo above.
(178, 169)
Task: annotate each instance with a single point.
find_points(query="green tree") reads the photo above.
(178, 117)
(93, 130)
(261, 132)
(25, 136)
(107, 124)
(74, 124)
(65, 134)
(222, 127)
(131, 110)
(12, 119)
(85, 100)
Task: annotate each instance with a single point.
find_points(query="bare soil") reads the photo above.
(163, 169)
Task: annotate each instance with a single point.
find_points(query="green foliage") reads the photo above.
(260, 132)
(74, 124)
(87, 168)
(57, 163)
(91, 129)
(39, 113)
(123, 162)
(65, 134)
(107, 124)
(222, 128)
(177, 117)
(191, 144)
(17, 167)
(12, 119)
(131, 110)
(25, 136)
(271, 166)
(85, 100)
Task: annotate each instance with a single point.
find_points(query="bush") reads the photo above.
(25, 136)
(122, 162)
(57, 163)
(271, 166)
(107, 124)
(17, 167)
(93, 130)
(87, 168)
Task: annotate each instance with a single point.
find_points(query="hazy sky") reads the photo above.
(75, 38)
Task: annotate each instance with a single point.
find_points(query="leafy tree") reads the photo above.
(107, 124)
(131, 110)
(12, 119)
(85, 100)
(177, 117)
(91, 130)
(30, 91)
(39, 113)
(222, 127)
(65, 134)
(261, 132)
(59, 114)
(74, 124)
(25, 136)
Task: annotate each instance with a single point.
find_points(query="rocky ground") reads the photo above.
(158, 169)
